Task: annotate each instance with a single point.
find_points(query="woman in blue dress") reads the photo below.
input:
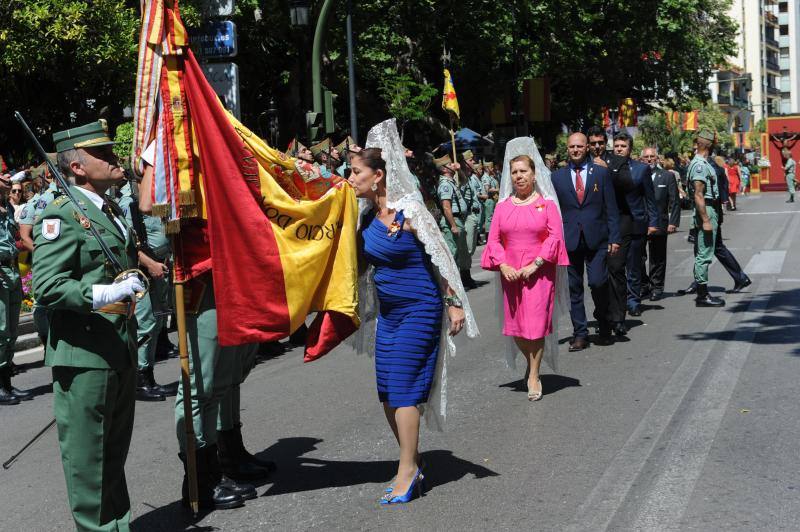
(411, 299)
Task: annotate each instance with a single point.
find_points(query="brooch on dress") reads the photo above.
(394, 229)
(540, 208)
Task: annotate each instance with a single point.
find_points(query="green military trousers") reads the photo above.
(472, 226)
(151, 318)
(211, 374)
(704, 246)
(456, 244)
(230, 405)
(790, 185)
(10, 303)
(488, 209)
(94, 415)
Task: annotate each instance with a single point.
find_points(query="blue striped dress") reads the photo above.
(410, 313)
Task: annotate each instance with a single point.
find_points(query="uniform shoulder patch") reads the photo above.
(51, 228)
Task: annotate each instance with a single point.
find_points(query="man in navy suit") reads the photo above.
(591, 233)
(638, 217)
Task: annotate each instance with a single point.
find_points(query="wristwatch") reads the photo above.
(539, 262)
(453, 301)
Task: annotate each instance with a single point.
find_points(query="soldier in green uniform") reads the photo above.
(492, 188)
(30, 214)
(10, 297)
(91, 346)
(473, 193)
(706, 203)
(454, 211)
(154, 254)
(789, 169)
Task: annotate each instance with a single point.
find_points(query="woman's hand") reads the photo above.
(456, 316)
(528, 271)
(509, 273)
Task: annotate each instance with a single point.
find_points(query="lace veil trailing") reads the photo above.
(402, 195)
(544, 186)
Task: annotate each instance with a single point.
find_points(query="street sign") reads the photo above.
(217, 8)
(224, 79)
(215, 40)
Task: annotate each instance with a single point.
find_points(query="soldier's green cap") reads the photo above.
(707, 134)
(467, 155)
(87, 136)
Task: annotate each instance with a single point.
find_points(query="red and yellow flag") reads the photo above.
(449, 99)
(673, 119)
(690, 121)
(628, 116)
(280, 241)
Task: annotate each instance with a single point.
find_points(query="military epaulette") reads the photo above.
(59, 201)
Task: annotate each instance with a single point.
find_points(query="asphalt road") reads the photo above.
(692, 424)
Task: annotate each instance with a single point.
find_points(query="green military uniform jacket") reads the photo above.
(67, 261)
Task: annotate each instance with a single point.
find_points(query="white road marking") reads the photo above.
(689, 446)
(766, 262)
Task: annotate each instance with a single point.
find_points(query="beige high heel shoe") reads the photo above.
(534, 395)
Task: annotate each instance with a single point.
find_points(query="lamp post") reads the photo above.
(272, 122)
(299, 19)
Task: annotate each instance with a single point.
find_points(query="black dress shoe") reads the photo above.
(620, 329)
(605, 338)
(22, 396)
(635, 311)
(655, 295)
(691, 290)
(741, 285)
(7, 397)
(579, 343)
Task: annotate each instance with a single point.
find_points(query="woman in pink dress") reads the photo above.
(525, 245)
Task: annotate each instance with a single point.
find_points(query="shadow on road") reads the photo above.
(777, 326)
(297, 473)
(550, 384)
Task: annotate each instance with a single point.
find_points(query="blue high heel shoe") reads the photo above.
(416, 485)
(422, 466)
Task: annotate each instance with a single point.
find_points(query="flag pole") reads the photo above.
(186, 387)
(452, 137)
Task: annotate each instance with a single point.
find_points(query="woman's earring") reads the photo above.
(373, 187)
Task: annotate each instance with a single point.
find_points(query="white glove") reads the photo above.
(105, 294)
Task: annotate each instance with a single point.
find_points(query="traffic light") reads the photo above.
(330, 99)
(313, 126)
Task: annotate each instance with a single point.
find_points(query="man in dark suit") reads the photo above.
(638, 218)
(591, 232)
(665, 190)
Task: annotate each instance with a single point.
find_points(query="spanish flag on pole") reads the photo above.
(449, 99)
(690, 121)
(279, 240)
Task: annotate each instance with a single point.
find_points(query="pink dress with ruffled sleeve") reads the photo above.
(519, 234)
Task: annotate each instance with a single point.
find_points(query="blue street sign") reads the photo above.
(215, 39)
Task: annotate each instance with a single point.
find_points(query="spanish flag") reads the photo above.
(449, 99)
(690, 121)
(673, 119)
(279, 240)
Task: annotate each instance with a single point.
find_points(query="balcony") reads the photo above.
(773, 91)
(771, 65)
(772, 43)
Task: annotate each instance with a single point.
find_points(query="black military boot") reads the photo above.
(165, 390)
(242, 489)
(467, 280)
(244, 454)
(231, 461)
(209, 495)
(144, 390)
(704, 299)
(19, 394)
(7, 396)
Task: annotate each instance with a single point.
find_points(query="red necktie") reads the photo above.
(579, 185)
